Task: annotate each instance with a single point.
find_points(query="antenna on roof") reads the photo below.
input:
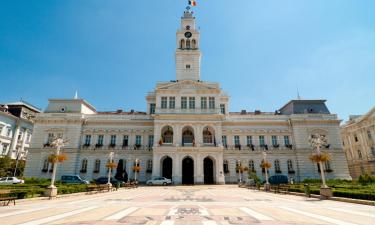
(76, 95)
(298, 96)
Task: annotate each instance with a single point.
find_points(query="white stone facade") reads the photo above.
(187, 133)
(358, 136)
(16, 128)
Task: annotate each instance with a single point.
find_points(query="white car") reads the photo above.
(159, 181)
(11, 180)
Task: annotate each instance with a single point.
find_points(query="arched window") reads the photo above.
(187, 136)
(277, 166)
(84, 166)
(167, 134)
(149, 166)
(290, 166)
(359, 154)
(45, 166)
(188, 46)
(97, 166)
(194, 43)
(226, 166)
(251, 166)
(182, 43)
(207, 137)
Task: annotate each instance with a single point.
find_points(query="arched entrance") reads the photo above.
(208, 170)
(167, 167)
(188, 171)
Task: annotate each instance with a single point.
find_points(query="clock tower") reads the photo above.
(188, 55)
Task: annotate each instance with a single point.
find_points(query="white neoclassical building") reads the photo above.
(187, 132)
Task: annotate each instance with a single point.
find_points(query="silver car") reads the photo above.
(159, 181)
(10, 180)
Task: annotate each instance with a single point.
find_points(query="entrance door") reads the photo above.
(167, 168)
(208, 171)
(188, 171)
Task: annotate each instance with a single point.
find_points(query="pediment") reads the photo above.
(187, 85)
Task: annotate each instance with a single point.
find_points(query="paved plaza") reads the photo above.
(183, 205)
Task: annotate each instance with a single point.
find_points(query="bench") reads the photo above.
(284, 188)
(97, 188)
(6, 198)
(132, 184)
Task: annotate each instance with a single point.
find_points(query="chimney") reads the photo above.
(119, 111)
(243, 112)
(257, 112)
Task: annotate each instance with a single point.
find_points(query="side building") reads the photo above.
(16, 128)
(187, 133)
(358, 136)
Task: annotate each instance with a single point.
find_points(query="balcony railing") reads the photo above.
(258, 148)
(117, 147)
(188, 111)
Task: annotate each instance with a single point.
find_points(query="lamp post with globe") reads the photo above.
(266, 165)
(58, 143)
(317, 142)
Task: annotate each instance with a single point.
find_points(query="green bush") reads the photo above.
(366, 179)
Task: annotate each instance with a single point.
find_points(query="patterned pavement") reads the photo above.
(187, 205)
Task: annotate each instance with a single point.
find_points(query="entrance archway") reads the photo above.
(208, 170)
(188, 171)
(167, 167)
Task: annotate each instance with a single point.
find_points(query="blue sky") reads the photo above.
(113, 52)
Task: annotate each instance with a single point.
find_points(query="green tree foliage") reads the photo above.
(366, 179)
(8, 165)
(252, 175)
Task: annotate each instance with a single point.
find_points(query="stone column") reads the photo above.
(198, 169)
(156, 165)
(198, 135)
(177, 168)
(177, 134)
(218, 135)
(22, 150)
(13, 144)
(220, 178)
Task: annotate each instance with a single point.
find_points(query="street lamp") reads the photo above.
(58, 143)
(318, 141)
(266, 165)
(111, 154)
(136, 169)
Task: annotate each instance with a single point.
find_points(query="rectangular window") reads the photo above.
(286, 140)
(172, 102)
(88, 140)
(138, 140)
(150, 140)
(369, 135)
(274, 140)
(373, 151)
(261, 141)
(188, 66)
(125, 141)
(222, 108)
(211, 102)
(113, 140)
(356, 138)
(100, 140)
(203, 102)
(164, 102)
(249, 140)
(9, 131)
(191, 102)
(51, 136)
(224, 138)
(152, 108)
(237, 140)
(183, 102)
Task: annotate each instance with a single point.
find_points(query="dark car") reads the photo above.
(104, 180)
(73, 179)
(278, 179)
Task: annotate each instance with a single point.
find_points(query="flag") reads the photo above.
(192, 3)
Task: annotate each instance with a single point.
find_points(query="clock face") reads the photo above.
(188, 34)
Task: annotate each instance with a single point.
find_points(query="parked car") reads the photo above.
(159, 181)
(278, 179)
(73, 179)
(11, 180)
(104, 180)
